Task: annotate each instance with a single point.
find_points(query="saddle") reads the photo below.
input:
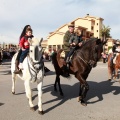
(62, 55)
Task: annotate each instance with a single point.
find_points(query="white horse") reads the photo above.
(33, 67)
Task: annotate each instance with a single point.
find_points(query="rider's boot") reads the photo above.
(17, 71)
(46, 69)
(21, 66)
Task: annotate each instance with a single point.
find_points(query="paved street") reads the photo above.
(103, 98)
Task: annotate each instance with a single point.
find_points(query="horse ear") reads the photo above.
(41, 41)
(30, 41)
(98, 41)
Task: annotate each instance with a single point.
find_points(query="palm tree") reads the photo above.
(105, 33)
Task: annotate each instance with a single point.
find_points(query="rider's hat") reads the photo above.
(71, 25)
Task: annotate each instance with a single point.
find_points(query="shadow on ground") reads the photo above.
(97, 89)
(5, 72)
(50, 73)
(2, 104)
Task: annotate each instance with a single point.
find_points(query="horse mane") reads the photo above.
(87, 42)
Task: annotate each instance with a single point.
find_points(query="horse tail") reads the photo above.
(55, 57)
(54, 61)
(58, 54)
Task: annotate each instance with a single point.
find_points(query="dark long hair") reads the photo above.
(24, 31)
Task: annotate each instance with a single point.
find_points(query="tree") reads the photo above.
(105, 32)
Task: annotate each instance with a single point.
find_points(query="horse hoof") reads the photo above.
(13, 93)
(83, 103)
(32, 108)
(79, 98)
(61, 94)
(109, 79)
(41, 112)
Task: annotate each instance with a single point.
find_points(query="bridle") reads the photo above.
(35, 66)
(92, 62)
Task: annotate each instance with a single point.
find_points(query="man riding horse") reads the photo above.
(82, 62)
(113, 61)
(72, 41)
(115, 50)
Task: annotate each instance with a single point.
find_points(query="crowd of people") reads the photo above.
(6, 54)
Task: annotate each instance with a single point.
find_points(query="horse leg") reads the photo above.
(55, 84)
(116, 72)
(79, 97)
(60, 89)
(29, 93)
(82, 93)
(109, 73)
(13, 82)
(39, 87)
(84, 87)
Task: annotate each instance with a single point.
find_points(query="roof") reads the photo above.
(78, 19)
(44, 42)
(88, 16)
(84, 18)
(56, 31)
(82, 27)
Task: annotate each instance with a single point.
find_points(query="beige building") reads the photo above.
(89, 25)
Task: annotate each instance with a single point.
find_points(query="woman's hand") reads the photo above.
(26, 43)
(80, 44)
(23, 49)
(73, 44)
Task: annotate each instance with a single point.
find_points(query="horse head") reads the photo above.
(98, 49)
(92, 50)
(35, 52)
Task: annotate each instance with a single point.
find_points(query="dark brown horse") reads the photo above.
(82, 62)
(113, 68)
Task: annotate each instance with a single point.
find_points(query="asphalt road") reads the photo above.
(103, 98)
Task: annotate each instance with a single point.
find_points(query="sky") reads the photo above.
(46, 16)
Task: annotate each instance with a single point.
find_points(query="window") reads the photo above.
(97, 30)
(50, 46)
(92, 28)
(97, 23)
(54, 47)
(58, 47)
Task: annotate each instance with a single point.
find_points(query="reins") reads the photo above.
(90, 62)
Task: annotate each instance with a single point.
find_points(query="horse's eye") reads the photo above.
(31, 51)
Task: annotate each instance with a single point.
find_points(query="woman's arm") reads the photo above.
(21, 44)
